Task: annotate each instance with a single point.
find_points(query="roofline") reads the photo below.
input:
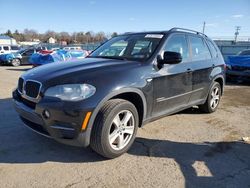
(167, 31)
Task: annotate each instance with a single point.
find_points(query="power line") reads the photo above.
(237, 28)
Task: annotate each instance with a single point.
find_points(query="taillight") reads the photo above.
(225, 67)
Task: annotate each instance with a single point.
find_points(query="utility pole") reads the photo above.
(204, 25)
(237, 28)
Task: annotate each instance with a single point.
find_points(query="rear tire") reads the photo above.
(213, 99)
(15, 62)
(115, 128)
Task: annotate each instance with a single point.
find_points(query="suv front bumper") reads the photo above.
(64, 124)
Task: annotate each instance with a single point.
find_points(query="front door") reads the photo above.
(26, 55)
(173, 83)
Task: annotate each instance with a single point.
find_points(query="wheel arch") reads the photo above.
(124, 93)
(220, 79)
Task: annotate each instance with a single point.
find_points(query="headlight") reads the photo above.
(71, 92)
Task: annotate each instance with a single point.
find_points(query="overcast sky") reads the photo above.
(221, 16)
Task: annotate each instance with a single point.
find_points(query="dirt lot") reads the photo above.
(188, 149)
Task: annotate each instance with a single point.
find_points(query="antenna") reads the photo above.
(203, 29)
(237, 28)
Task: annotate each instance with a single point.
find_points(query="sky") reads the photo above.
(221, 16)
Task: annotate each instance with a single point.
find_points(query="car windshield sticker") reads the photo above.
(158, 36)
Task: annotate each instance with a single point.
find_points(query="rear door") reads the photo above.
(202, 65)
(173, 83)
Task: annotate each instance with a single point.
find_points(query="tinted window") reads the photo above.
(178, 43)
(14, 48)
(6, 47)
(245, 52)
(28, 52)
(212, 49)
(199, 49)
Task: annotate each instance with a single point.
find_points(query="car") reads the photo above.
(5, 49)
(238, 66)
(100, 101)
(18, 58)
(72, 48)
(45, 57)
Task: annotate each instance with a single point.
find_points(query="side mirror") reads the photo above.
(170, 58)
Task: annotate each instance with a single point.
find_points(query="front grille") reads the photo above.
(20, 85)
(29, 103)
(32, 88)
(26, 102)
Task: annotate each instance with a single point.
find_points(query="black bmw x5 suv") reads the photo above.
(128, 81)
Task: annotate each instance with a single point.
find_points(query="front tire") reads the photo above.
(213, 99)
(15, 62)
(115, 128)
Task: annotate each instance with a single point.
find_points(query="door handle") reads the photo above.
(189, 70)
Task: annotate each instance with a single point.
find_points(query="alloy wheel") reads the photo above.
(121, 130)
(215, 97)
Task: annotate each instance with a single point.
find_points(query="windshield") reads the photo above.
(20, 51)
(137, 47)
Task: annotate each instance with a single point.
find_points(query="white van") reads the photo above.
(5, 49)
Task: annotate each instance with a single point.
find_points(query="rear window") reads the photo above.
(199, 49)
(212, 49)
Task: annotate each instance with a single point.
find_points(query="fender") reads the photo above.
(87, 133)
(214, 78)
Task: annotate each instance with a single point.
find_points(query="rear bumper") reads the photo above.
(238, 73)
(64, 125)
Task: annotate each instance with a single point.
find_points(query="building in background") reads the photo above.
(51, 40)
(6, 40)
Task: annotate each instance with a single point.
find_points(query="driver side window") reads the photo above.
(178, 43)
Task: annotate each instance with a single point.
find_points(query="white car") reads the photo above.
(5, 49)
(72, 48)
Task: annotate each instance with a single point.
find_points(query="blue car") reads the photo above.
(239, 65)
(11, 58)
(18, 58)
(43, 58)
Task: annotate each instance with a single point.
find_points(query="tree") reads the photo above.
(9, 33)
(64, 36)
(30, 34)
(114, 34)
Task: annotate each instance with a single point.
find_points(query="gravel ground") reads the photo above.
(188, 149)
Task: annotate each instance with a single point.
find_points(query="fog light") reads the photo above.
(46, 114)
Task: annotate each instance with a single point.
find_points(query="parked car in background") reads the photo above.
(5, 49)
(46, 57)
(102, 100)
(14, 48)
(238, 66)
(72, 48)
(18, 58)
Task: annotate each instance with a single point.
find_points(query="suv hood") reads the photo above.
(73, 68)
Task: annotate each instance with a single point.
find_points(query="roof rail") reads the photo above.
(189, 30)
